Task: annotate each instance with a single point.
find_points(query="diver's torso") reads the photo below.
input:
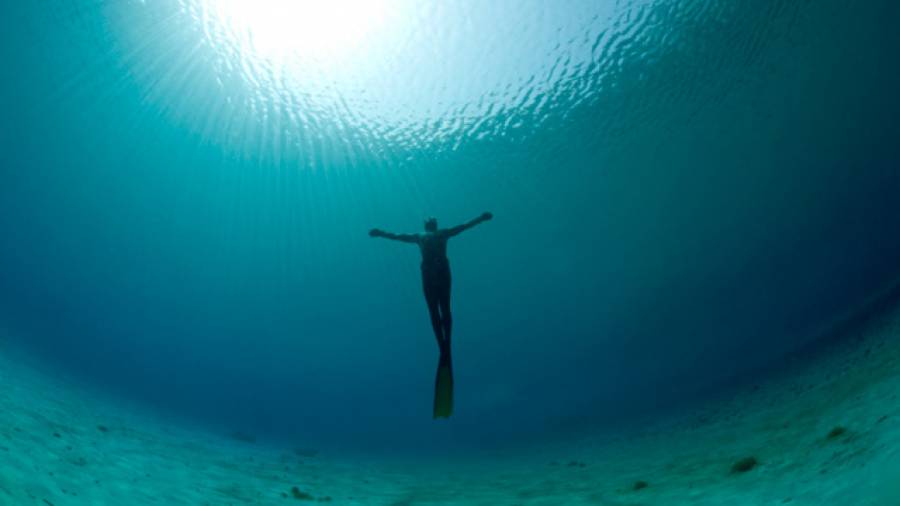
(434, 253)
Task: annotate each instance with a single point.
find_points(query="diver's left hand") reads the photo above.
(486, 216)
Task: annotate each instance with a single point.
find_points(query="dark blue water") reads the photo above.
(683, 193)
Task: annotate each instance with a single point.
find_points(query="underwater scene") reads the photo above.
(409, 253)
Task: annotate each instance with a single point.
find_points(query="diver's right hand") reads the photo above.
(486, 216)
(375, 233)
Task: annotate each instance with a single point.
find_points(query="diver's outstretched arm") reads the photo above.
(413, 238)
(450, 232)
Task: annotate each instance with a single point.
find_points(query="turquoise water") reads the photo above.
(683, 194)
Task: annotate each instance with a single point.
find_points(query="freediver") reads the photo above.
(436, 284)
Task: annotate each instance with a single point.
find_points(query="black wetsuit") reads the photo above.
(436, 282)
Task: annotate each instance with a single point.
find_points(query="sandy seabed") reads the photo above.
(819, 430)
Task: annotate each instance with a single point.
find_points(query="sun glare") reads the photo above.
(305, 29)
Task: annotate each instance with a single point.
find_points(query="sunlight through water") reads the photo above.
(403, 73)
(285, 31)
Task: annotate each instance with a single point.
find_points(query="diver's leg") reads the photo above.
(443, 383)
(444, 303)
(431, 298)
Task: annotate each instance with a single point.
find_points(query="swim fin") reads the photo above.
(443, 386)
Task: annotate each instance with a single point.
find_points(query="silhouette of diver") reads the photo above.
(436, 284)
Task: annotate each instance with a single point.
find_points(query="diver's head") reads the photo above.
(431, 224)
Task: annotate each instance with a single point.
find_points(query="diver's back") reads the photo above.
(433, 246)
